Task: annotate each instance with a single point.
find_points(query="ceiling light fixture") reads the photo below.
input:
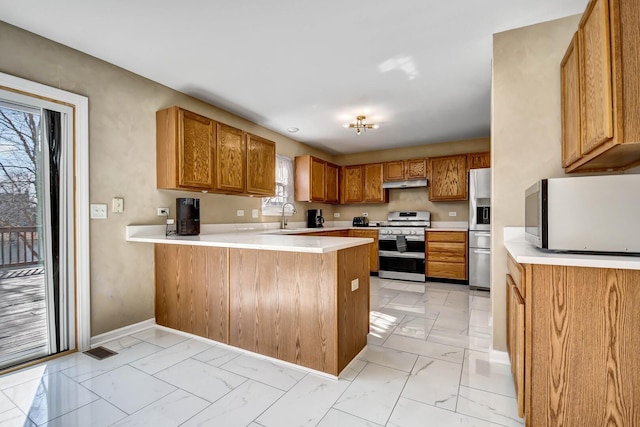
(360, 125)
(292, 129)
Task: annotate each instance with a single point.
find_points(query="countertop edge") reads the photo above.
(525, 253)
(242, 240)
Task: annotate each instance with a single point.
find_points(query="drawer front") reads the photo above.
(459, 249)
(373, 234)
(445, 257)
(517, 272)
(446, 236)
(446, 270)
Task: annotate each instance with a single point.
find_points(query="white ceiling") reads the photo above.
(419, 68)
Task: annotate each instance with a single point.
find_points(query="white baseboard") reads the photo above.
(501, 357)
(121, 332)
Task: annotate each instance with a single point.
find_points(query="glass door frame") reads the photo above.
(79, 215)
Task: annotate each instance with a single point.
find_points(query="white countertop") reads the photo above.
(270, 240)
(525, 253)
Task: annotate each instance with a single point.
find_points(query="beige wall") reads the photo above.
(427, 150)
(525, 133)
(122, 109)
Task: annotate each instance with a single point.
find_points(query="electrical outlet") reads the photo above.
(117, 205)
(453, 213)
(254, 213)
(336, 214)
(98, 211)
(355, 284)
(240, 212)
(365, 214)
(163, 212)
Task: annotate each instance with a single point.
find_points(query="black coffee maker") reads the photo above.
(187, 217)
(314, 218)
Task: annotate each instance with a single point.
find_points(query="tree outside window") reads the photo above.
(272, 206)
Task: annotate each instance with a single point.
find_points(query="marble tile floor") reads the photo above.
(426, 364)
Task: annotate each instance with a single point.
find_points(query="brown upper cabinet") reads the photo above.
(196, 153)
(363, 184)
(231, 157)
(448, 178)
(372, 190)
(332, 177)
(570, 98)
(402, 170)
(607, 64)
(316, 180)
(184, 150)
(352, 184)
(261, 166)
(478, 160)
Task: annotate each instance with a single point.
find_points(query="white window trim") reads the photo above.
(277, 210)
(83, 277)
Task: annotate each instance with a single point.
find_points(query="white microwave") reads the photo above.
(585, 214)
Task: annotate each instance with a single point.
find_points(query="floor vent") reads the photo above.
(100, 353)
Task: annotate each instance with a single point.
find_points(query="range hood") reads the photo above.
(406, 184)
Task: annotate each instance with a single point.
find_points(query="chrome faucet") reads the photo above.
(283, 223)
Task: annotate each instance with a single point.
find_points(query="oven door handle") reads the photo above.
(396, 254)
(412, 238)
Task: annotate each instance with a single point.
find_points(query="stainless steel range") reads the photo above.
(401, 248)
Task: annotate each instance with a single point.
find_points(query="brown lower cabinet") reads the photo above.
(192, 290)
(574, 344)
(293, 306)
(446, 254)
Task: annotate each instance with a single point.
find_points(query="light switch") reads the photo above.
(117, 205)
(98, 211)
(355, 284)
(254, 213)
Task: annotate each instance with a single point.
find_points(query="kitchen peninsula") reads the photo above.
(300, 299)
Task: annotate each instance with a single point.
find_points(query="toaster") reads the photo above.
(360, 221)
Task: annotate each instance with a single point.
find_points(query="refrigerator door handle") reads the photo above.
(482, 251)
(482, 233)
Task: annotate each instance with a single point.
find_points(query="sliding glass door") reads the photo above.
(36, 229)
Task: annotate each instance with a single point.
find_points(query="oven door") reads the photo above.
(406, 265)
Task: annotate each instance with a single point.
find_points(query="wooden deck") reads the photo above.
(23, 324)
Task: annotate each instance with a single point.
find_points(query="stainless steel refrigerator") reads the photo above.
(480, 229)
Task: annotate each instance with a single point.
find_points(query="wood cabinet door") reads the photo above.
(192, 290)
(478, 160)
(595, 76)
(373, 191)
(230, 159)
(415, 169)
(394, 171)
(373, 247)
(317, 180)
(448, 178)
(261, 166)
(195, 151)
(515, 339)
(570, 99)
(352, 184)
(332, 178)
